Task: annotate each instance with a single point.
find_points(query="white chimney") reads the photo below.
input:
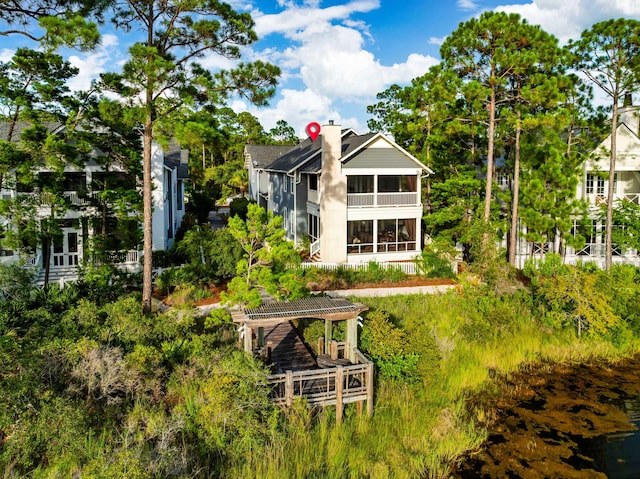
(333, 198)
(629, 115)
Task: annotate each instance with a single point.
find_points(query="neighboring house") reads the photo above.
(78, 225)
(593, 188)
(356, 197)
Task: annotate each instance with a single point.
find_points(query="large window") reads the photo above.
(383, 236)
(360, 236)
(360, 184)
(396, 235)
(397, 183)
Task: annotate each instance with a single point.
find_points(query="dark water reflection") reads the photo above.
(617, 454)
(550, 421)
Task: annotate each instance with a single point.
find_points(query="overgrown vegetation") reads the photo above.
(90, 386)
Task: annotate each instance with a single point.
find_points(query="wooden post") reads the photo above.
(333, 349)
(352, 339)
(321, 345)
(288, 388)
(370, 389)
(248, 338)
(269, 348)
(260, 337)
(339, 387)
(359, 408)
(327, 334)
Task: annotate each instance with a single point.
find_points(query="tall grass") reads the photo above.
(423, 430)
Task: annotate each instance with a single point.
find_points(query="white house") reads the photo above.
(593, 188)
(170, 173)
(356, 197)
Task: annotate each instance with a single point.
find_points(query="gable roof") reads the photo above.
(262, 156)
(627, 151)
(20, 126)
(350, 145)
(306, 156)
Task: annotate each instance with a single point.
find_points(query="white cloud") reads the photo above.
(567, 19)
(296, 18)
(6, 55)
(328, 71)
(437, 40)
(299, 108)
(467, 4)
(332, 62)
(92, 64)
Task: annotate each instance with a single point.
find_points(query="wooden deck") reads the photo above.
(297, 373)
(288, 351)
(340, 375)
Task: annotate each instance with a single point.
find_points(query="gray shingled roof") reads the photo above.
(20, 126)
(264, 155)
(176, 157)
(296, 156)
(306, 156)
(349, 145)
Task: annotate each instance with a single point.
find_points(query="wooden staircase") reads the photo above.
(59, 275)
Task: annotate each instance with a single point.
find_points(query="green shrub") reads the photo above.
(537, 270)
(388, 347)
(574, 298)
(45, 435)
(168, 280)
(238, 207)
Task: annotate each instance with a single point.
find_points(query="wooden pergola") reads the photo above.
(319, 385)
(318, 307)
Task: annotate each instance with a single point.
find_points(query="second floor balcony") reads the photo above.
(382, 190)
(382, 199)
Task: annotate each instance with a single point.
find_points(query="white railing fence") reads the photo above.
(407, 267)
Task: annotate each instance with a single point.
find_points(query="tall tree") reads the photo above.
(609, 55)
(162, 75)
(484, 52)
(534, 88)
(284, 134)
(36, 101)
(53, 23)
(33, 89)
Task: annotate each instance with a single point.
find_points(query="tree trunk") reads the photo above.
(513, 232)
(490, 147)
(147, 184)
(147, 210)
(612, 176)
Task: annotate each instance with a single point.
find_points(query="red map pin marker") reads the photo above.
(313, 130)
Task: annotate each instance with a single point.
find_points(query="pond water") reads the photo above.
(617, 454)
(562, 422)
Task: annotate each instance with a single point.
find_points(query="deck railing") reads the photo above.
(326, 387)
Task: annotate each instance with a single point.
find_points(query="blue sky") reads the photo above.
(336, 55)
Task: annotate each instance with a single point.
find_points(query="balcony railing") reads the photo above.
(602, 200)
(74, 197)
(357, 200)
